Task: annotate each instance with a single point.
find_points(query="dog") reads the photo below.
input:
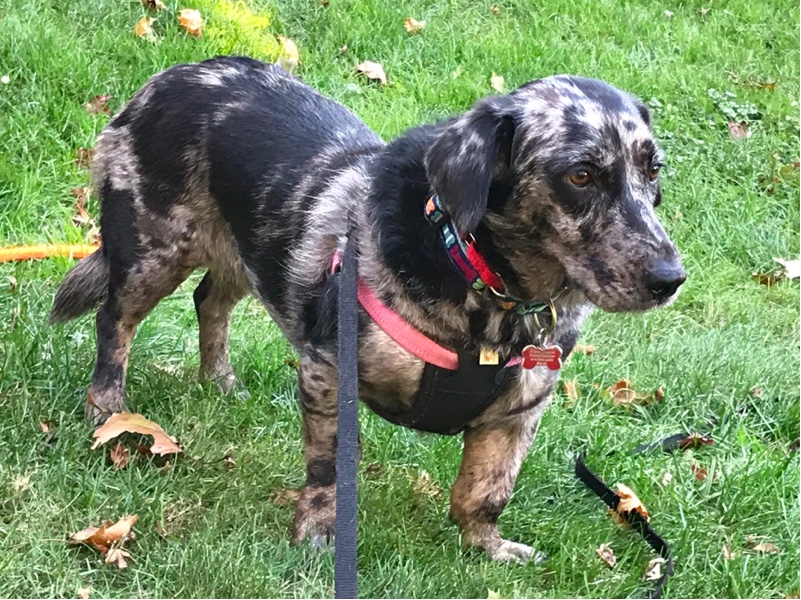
(238, 167)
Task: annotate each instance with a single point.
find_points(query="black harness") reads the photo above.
(447, 401)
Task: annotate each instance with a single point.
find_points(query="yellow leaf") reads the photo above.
(571, 389)
(289, 59)
(144, 28)
(413, 26)
(190, 19)
(584, 349)
(497, 82)
(119, 423)
(372, 70)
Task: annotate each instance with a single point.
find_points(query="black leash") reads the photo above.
(611, 499)
(345, 559)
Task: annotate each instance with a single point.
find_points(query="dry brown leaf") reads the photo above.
(699, 472)
(495, 9)
(624, 394)
(761, 85)
(144, 28)
(154, 4)
(739, 131)
(20, 483)
(373, 470)
(792, 268)
(83, 157)
(585, 349)
(285, 497)
(289, 59)
(84, 593)
(727, 554)
(98, 104)
(12, 285)
(228, 458)
(413, 26)
(81, 195)
(497, 83)
(190, 19)
(116, 557)
(606, 554)
(766, 548)
(46, 425)
(120, 423)
(767, 279)
(119, 456)
(324, 3)
(372, 70)
(653, 572)
(629, 502)
(695, 440)
(571, 389)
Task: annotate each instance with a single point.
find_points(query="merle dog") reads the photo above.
(237, 167)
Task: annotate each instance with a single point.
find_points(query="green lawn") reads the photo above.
(728, 349)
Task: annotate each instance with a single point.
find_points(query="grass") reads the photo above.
(728, 349)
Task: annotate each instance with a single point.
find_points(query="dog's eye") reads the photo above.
(653, 172)
(580, 178)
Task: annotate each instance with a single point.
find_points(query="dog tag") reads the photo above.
(488, 357)
(546, 356)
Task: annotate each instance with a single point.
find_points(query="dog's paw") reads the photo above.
(315, 517)
(513, 552)
(98, 408)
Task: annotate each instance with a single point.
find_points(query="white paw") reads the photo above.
(514, 552)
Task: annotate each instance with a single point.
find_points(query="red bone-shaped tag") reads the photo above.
(549, 356)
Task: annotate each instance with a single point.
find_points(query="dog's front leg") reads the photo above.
(315, 514)
(491, 461)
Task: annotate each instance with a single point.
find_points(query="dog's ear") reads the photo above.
(467, 155)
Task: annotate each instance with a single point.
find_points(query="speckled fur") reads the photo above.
(237, 167)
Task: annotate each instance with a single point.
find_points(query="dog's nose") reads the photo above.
(664, 277)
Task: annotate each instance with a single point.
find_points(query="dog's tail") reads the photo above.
(84, 287)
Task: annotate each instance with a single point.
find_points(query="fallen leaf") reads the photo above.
(457, 72)
(497, 83)
(495, 9)
(154, 5)
(46, 425)
(98, 104)
(629, 502)
(119, 456)
(606, 554)
(285, 497)
(81, 195)
(623, 394)
(20, 483)
(666, 479)
(493, 595)
(289, 59)
(12, 285)
(144, 29)
(343, 49)
(761, 85)
(424, 485)
(739, 130)
(704, 11)
(792, 268)
(372, 70)
(585, 349)
(727, 554)
(119, 423)
(571, 389)
(668, 14)
(653, 572)
(766, 548)
(413, 26)
(756, 391)
(699, 472)
(695, 440)
(190, 19)
(324, 3)
(83, 157)
(84, 593)
(116, 557)
(228, 458)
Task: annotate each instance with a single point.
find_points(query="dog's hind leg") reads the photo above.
(491, 461)
(131, 297)
(215, 299)
(315, 514)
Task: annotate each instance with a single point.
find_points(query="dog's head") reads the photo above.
(579, 170)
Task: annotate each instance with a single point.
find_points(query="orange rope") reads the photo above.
(46, 251)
